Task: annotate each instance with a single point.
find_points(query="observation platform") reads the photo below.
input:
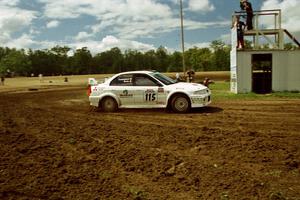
(266, 28)
(266, 66)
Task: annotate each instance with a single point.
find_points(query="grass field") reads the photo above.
(48, 82)
(220, 88)
(221, 91)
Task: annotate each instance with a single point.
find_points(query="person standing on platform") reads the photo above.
(240, 27)
(245, 5)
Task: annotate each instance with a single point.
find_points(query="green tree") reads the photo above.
(118, 60)
(81, 62)
(162, 59)
(221, 56)
(16, 61)
(59, 57)
(110, 61)
(133, 60)
(42, 62)
(150, 60)
(289, 46)
(175, 64)
(248, 44)
(199, 59)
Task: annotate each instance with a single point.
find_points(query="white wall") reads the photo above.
(279, 70)
(244, 72)
(285, 70)
(293, 74)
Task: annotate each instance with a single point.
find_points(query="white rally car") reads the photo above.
(146, 89)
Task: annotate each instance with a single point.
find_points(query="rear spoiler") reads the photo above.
(92, 81)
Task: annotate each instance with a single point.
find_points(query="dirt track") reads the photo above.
(54, 147)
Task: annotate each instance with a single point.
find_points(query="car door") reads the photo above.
(149, 92)
(122, 87)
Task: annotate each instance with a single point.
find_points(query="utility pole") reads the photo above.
(182, 38)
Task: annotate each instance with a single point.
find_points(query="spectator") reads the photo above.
(245, 5)
(191, 75)
(207, 81)
(177, 76)
(240, 27)
(2, 80)
(41, 78)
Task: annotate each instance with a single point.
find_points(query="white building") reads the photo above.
(265, 70)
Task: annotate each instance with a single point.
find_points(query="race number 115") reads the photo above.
(150, 96)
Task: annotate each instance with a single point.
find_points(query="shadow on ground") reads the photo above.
(208, 109)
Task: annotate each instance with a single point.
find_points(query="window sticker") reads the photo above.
(125, 80)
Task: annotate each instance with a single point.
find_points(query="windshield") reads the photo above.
(164, 79)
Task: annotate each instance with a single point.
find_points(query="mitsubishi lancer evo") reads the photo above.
(147, 89)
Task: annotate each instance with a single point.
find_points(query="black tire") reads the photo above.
(108, 104)
(180, 104)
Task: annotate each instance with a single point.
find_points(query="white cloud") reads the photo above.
(53, 24)
(4, 38)
(100, 8)
(289, 11)
(128, 19)
(13, 20)
(199, 45)
(25, 41)
(34, 31)
(201, 5)
(226, 38)
(109, 42)
(9, 2)
(95, 46)
(83, 36)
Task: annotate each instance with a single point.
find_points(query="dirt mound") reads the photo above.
(53, 146)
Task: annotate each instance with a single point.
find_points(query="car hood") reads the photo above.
(187, 86)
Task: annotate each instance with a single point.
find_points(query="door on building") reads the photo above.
(262, 73)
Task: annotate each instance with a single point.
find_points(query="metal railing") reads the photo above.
(262, 13)
(263, 26)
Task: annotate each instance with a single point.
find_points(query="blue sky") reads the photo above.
(128, 24)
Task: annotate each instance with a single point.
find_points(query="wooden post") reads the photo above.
(182, 39)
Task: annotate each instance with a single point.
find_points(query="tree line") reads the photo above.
(56, 61)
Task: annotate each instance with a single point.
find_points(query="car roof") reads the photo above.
(137, 72)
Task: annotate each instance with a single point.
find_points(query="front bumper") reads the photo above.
(200, 100)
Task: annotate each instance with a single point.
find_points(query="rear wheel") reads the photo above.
(108, 104)
(180, 104)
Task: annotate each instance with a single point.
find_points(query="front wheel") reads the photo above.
(180, 104)
(108, 104)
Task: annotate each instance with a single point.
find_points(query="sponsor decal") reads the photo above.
(125, 94)
(161, 90)
(149, 91)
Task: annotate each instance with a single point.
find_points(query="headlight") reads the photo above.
(201, 92)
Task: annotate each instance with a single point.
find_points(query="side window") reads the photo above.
(144, 80)
(122, 80)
